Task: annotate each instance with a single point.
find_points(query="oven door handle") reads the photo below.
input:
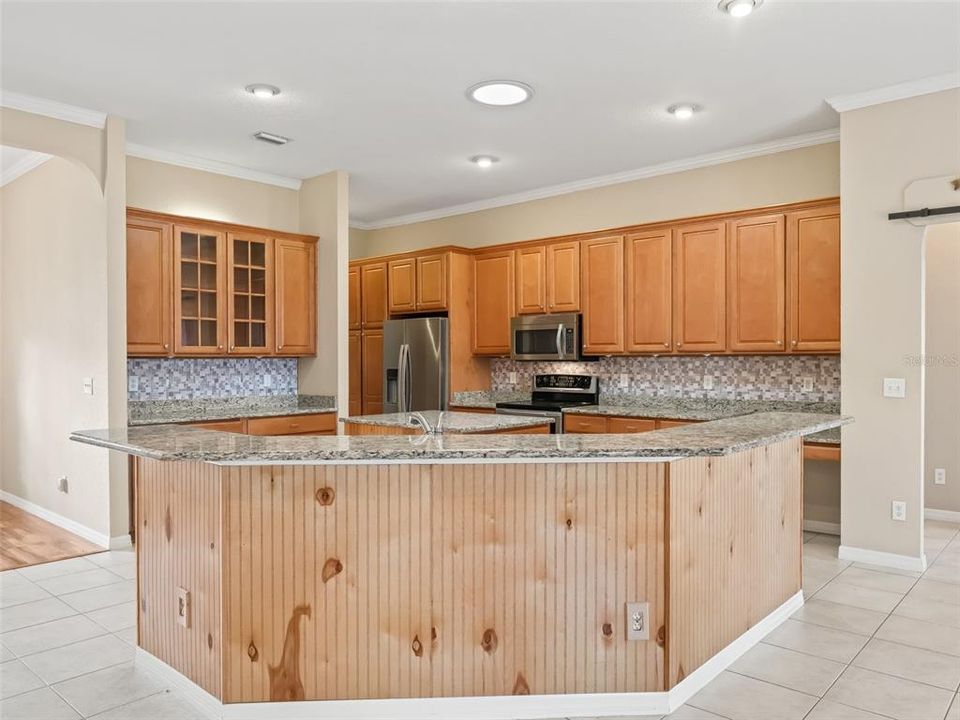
(560, 354)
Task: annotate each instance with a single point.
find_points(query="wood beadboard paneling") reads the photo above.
(446, 580)
(178, 545)
(735, 543)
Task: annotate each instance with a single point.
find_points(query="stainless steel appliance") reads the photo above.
(545, 337)
(553, 393)
(416, 364)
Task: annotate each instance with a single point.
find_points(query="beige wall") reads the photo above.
(54, 325)
(195, 193)
(793, 176)
(883, 149)
(942, 411)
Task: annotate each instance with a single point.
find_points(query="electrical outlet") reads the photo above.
(894, 387)
(708, 382)
(88, 386)
(940, 476)
(898, 511)
(807, 383)
(62, 484)
(183, 607)
(267, 380)
(624, 380)
(512, 378)
(133, 383)
(638, 621)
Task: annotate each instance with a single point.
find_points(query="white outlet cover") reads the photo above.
(133, 383)
(940, 476)
(267, 380)
(894, 387)
(708, 382)
(512, 378)
(624, 380)
(807, 384)
(898, 511)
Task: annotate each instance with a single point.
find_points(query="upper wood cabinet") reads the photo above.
(296, 297)
(493, 282)
(813, 280)
(563, 277)
(432, 282)
(354, 297)
(530, 264)
(601, 287)
(149, 287)
(402, 285)
(199, 290)
(250, 294)
(355, 371)
(699, 287)
(373, 300)
(649, 301)
(756, 284)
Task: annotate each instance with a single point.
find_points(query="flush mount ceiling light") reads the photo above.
(683, 111)
(739, 8)
(500, 93)
(272, 138)
(484, 161)
(263, 91)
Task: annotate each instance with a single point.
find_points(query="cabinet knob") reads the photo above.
(166, 346)
(219, 347)
(779, 342)
(679, 344)
(232, 348)
(279, 347)
(794, 343)
(666, 345)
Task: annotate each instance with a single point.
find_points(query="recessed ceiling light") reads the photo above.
(683, 111)
(484, 161)
(263, 91)
(739, 8)
(500, 93)
(271, 137)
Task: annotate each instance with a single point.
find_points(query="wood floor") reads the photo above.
(27, 540)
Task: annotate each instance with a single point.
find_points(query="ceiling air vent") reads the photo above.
(271, 138)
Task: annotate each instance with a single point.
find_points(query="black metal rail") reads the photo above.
(925, 212)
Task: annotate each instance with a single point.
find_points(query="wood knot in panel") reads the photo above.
(331, 568)
(209, 641)
(167, 524)
(252, 652)
(417, 646)
(520, 687)
(433, 636)
(662, 636)
(326, 495)
(569, 523)
(285, 682)
(489, 641)
(607, 630)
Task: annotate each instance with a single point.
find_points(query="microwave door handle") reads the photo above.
(560, 341)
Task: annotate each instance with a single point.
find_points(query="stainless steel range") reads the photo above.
(552, 393)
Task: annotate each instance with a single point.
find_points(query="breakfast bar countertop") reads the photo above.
(163, 412)
(451, 422)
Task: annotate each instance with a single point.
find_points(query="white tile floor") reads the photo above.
(869, 643)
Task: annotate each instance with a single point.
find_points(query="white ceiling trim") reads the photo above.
(53, 109)
(692, 163)
(212, 166)
(23, 166)
(901, 91)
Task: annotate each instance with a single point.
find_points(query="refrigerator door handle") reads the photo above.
(401, 380)
(408, 383)
(560, 341)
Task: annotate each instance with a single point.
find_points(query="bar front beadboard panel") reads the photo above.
(448, 580)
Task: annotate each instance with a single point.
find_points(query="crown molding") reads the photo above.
(53, 109)
(699, 161)
(901, 91)
(211, 166)
(23, 166)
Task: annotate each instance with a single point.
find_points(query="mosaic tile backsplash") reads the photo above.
(199, 378)
(753, 377)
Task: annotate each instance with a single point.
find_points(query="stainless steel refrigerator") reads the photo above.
(416, 364)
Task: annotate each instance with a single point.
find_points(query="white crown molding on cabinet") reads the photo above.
(23, 166)
(53, 109)
(901, 91)
(212, 166)
(698, 161)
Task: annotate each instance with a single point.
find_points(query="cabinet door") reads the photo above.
(624, 425)
(402, 285)
(354, 297)
(813, 280)
(296, 297)
(699, 288)
(594, 424)
(432, 282)
(649, 260)
(373, 304)
(149, 293)
(250, 294)
(372, 361)
(355, 369)
(493, 280)
(756, 284)
(601, 261)
(199, 272)
(530, 265)
(563, 277)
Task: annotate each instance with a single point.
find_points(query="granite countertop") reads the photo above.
(719, 437)
(486, 399)
(453, 422)
(162, 412)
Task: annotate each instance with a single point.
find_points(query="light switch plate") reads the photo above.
(894, 387)
(88, 386)
(940, 476)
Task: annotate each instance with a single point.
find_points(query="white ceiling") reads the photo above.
(378, 89)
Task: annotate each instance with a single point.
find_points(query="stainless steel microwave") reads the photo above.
(545, 337)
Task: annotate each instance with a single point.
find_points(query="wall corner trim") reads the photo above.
(53, 109)
(23, 166)
(875, 557)
(900, 91)
(98, 538)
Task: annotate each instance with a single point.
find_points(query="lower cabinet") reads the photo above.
(616, 425)
(234, 426)
(324, 423)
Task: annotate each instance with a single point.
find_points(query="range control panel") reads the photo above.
(583, 383)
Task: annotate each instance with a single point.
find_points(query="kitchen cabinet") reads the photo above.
(699, 287)
(199, 293)
(355, 371)
(371, 359)
(563, 277)
(530, 264)
(623, 425)
(402, 285)
(649, 296)
(354, 297)
(584, 423)
(756, 284)
(149, 287)
(373, 296)
(234, 426)
(601, 288)
(310, 424)
(664, 424)
(431, 282)
(250, 294)
(493, 282)
(296, 297)
(813, 279)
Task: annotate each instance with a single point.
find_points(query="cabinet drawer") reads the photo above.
(234, 426)
(630, 425)
(319, 424)
(663, 424)
(584, 424)
(469, 409)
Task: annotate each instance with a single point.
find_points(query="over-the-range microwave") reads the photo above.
(545, 337)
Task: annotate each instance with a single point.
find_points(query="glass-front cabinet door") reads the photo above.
(250, 292)
(200, 275)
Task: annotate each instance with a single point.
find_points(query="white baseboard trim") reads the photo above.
(820, 526)
(97, 538)
(875, 557)
(952, 516)
(504, 707)
(121, 542)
